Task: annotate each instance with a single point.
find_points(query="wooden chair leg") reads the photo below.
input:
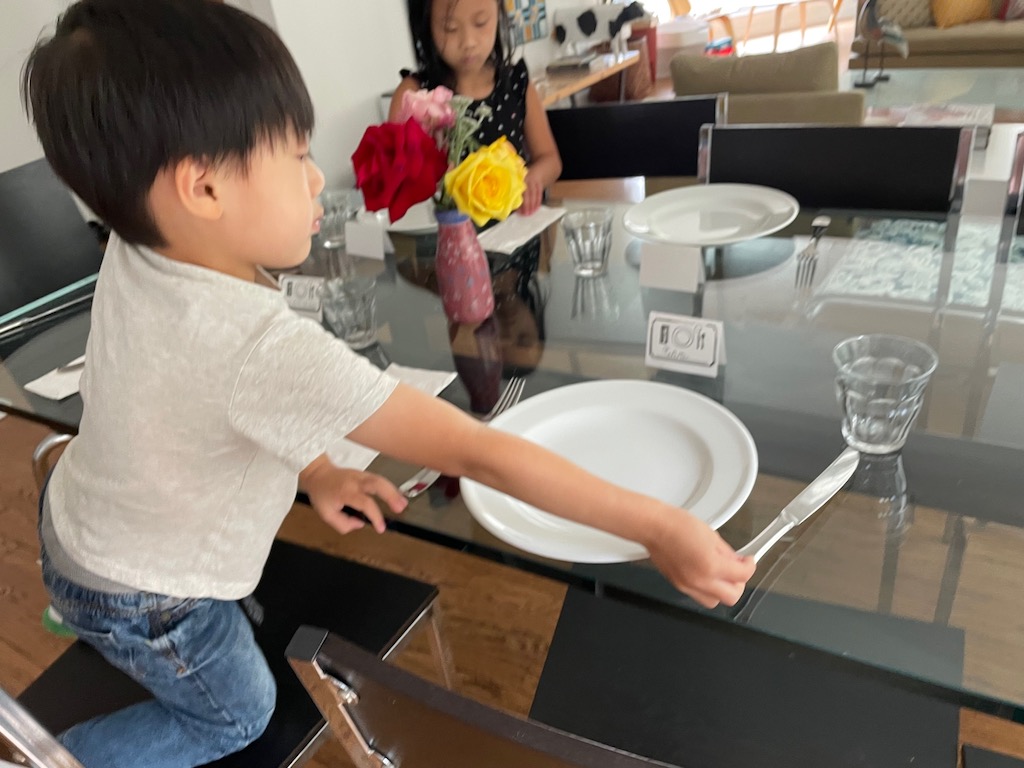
(833, 20)
(803, 22)
(778, 25)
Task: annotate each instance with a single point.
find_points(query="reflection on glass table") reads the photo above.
(913, 570)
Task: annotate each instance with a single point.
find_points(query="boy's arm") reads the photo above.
(419, 429)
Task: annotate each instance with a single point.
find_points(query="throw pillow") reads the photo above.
(909, 14)
(1012, 9)
(950, 13)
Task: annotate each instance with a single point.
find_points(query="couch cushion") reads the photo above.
(980, 36)
(814, 68)
(907, 13)
(949, 13)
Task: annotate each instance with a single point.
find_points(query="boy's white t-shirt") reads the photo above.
(204, 397)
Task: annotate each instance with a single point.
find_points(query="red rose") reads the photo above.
(397, 165)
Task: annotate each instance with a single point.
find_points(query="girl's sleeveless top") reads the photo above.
(508, 107)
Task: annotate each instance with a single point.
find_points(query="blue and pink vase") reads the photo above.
(463, 276)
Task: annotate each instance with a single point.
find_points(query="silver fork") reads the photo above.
(426, 477)
(807, 259)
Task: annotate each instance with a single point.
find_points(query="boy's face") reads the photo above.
(464, 32)
(271, 212)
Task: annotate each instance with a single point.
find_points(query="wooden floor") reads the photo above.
(498, 622)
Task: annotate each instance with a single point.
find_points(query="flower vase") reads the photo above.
(463, 276)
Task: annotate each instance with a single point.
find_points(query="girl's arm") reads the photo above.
(545, 164)
(413, 427)
(408, 84)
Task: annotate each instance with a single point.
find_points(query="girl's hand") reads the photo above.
(698, 561)
(331, 488)
(534, 194)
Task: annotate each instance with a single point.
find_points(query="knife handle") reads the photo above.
(766, 539)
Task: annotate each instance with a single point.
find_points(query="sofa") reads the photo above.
(800, 86)
(988, 43)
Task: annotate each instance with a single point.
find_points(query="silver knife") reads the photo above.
(807, 502)
(418, 483)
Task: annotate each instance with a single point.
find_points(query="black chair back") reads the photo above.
(912, 170)
(645, 138)
(699, 691)
(45, 244)
(385, 716)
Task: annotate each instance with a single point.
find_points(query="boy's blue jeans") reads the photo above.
(214, 692)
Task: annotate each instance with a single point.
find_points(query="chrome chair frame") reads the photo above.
(1013, 224)
(955, 198)
(31, 742)
(386, 717)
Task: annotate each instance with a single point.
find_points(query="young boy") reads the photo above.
(184, 124)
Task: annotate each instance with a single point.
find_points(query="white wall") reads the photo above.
(22, 24)
(349, 52)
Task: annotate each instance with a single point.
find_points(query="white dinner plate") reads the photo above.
(658, 439)
(711, 214)
(418, 220)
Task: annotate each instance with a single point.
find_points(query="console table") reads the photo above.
(555, 87)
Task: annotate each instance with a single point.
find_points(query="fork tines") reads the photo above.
(806, 262)
(513, 391)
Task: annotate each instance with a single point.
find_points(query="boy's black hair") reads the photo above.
(126, 88)
(429, 64)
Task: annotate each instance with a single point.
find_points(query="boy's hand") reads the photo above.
(331, 488)
(698, 561)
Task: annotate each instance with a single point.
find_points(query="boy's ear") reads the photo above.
(197, 185)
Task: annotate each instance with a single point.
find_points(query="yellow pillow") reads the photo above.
(949, 13)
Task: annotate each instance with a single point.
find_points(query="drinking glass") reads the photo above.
(350, 307)
(588, 234)
(340, 206)
(880, 387)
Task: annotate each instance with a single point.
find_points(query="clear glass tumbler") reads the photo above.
(880, 387)
(588, 235)
(350, 308)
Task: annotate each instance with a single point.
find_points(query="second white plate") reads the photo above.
(711, 214)
(657, 439)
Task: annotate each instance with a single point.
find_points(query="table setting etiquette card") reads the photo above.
(685, 344)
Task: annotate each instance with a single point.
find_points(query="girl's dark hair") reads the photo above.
(126, 88)
(430, 66)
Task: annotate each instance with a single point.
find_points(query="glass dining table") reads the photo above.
(912, 571)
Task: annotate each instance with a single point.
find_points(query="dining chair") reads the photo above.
(1013, 223)
(644, 138)
(385, 717)
(375, 609)
(48, 254)
(884, 171)
(46, 246)
(692, 689)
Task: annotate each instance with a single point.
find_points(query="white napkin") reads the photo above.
(58, 384)
(516, 229)
(354, 456)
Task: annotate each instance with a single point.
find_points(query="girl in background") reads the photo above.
(465, 45)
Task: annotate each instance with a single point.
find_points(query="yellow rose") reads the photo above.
(489, 183)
